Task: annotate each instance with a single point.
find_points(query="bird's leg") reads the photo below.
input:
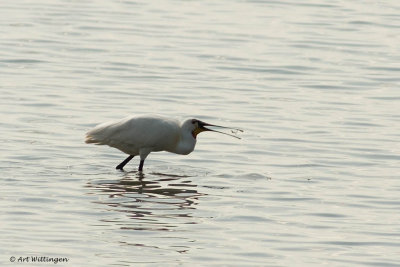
(141, 165)
(122, 164)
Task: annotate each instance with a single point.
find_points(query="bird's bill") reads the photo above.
(202, 128)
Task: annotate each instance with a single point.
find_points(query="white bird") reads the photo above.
(141, 135)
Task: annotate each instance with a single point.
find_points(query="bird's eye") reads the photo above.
(193, 121)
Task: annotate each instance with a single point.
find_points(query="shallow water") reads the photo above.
(313, 181)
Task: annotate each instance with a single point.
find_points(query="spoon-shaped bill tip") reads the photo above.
(225, 133)
(233, 130)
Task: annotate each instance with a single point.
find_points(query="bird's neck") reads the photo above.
(186, 144)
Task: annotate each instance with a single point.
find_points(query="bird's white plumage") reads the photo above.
(140, 135)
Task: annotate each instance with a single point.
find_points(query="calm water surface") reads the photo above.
(314, 180)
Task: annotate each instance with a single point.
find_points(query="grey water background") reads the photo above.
(314, 180)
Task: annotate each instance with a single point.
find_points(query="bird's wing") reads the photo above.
(152, 132)
(136, 132)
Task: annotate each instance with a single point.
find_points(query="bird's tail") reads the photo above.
(95, 136)
(99, 135)
(90, 139)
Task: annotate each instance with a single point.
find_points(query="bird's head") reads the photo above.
(197, 126)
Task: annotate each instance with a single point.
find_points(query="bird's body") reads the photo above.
(140, 135)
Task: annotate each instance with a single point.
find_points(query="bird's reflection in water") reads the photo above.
(150, 202)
